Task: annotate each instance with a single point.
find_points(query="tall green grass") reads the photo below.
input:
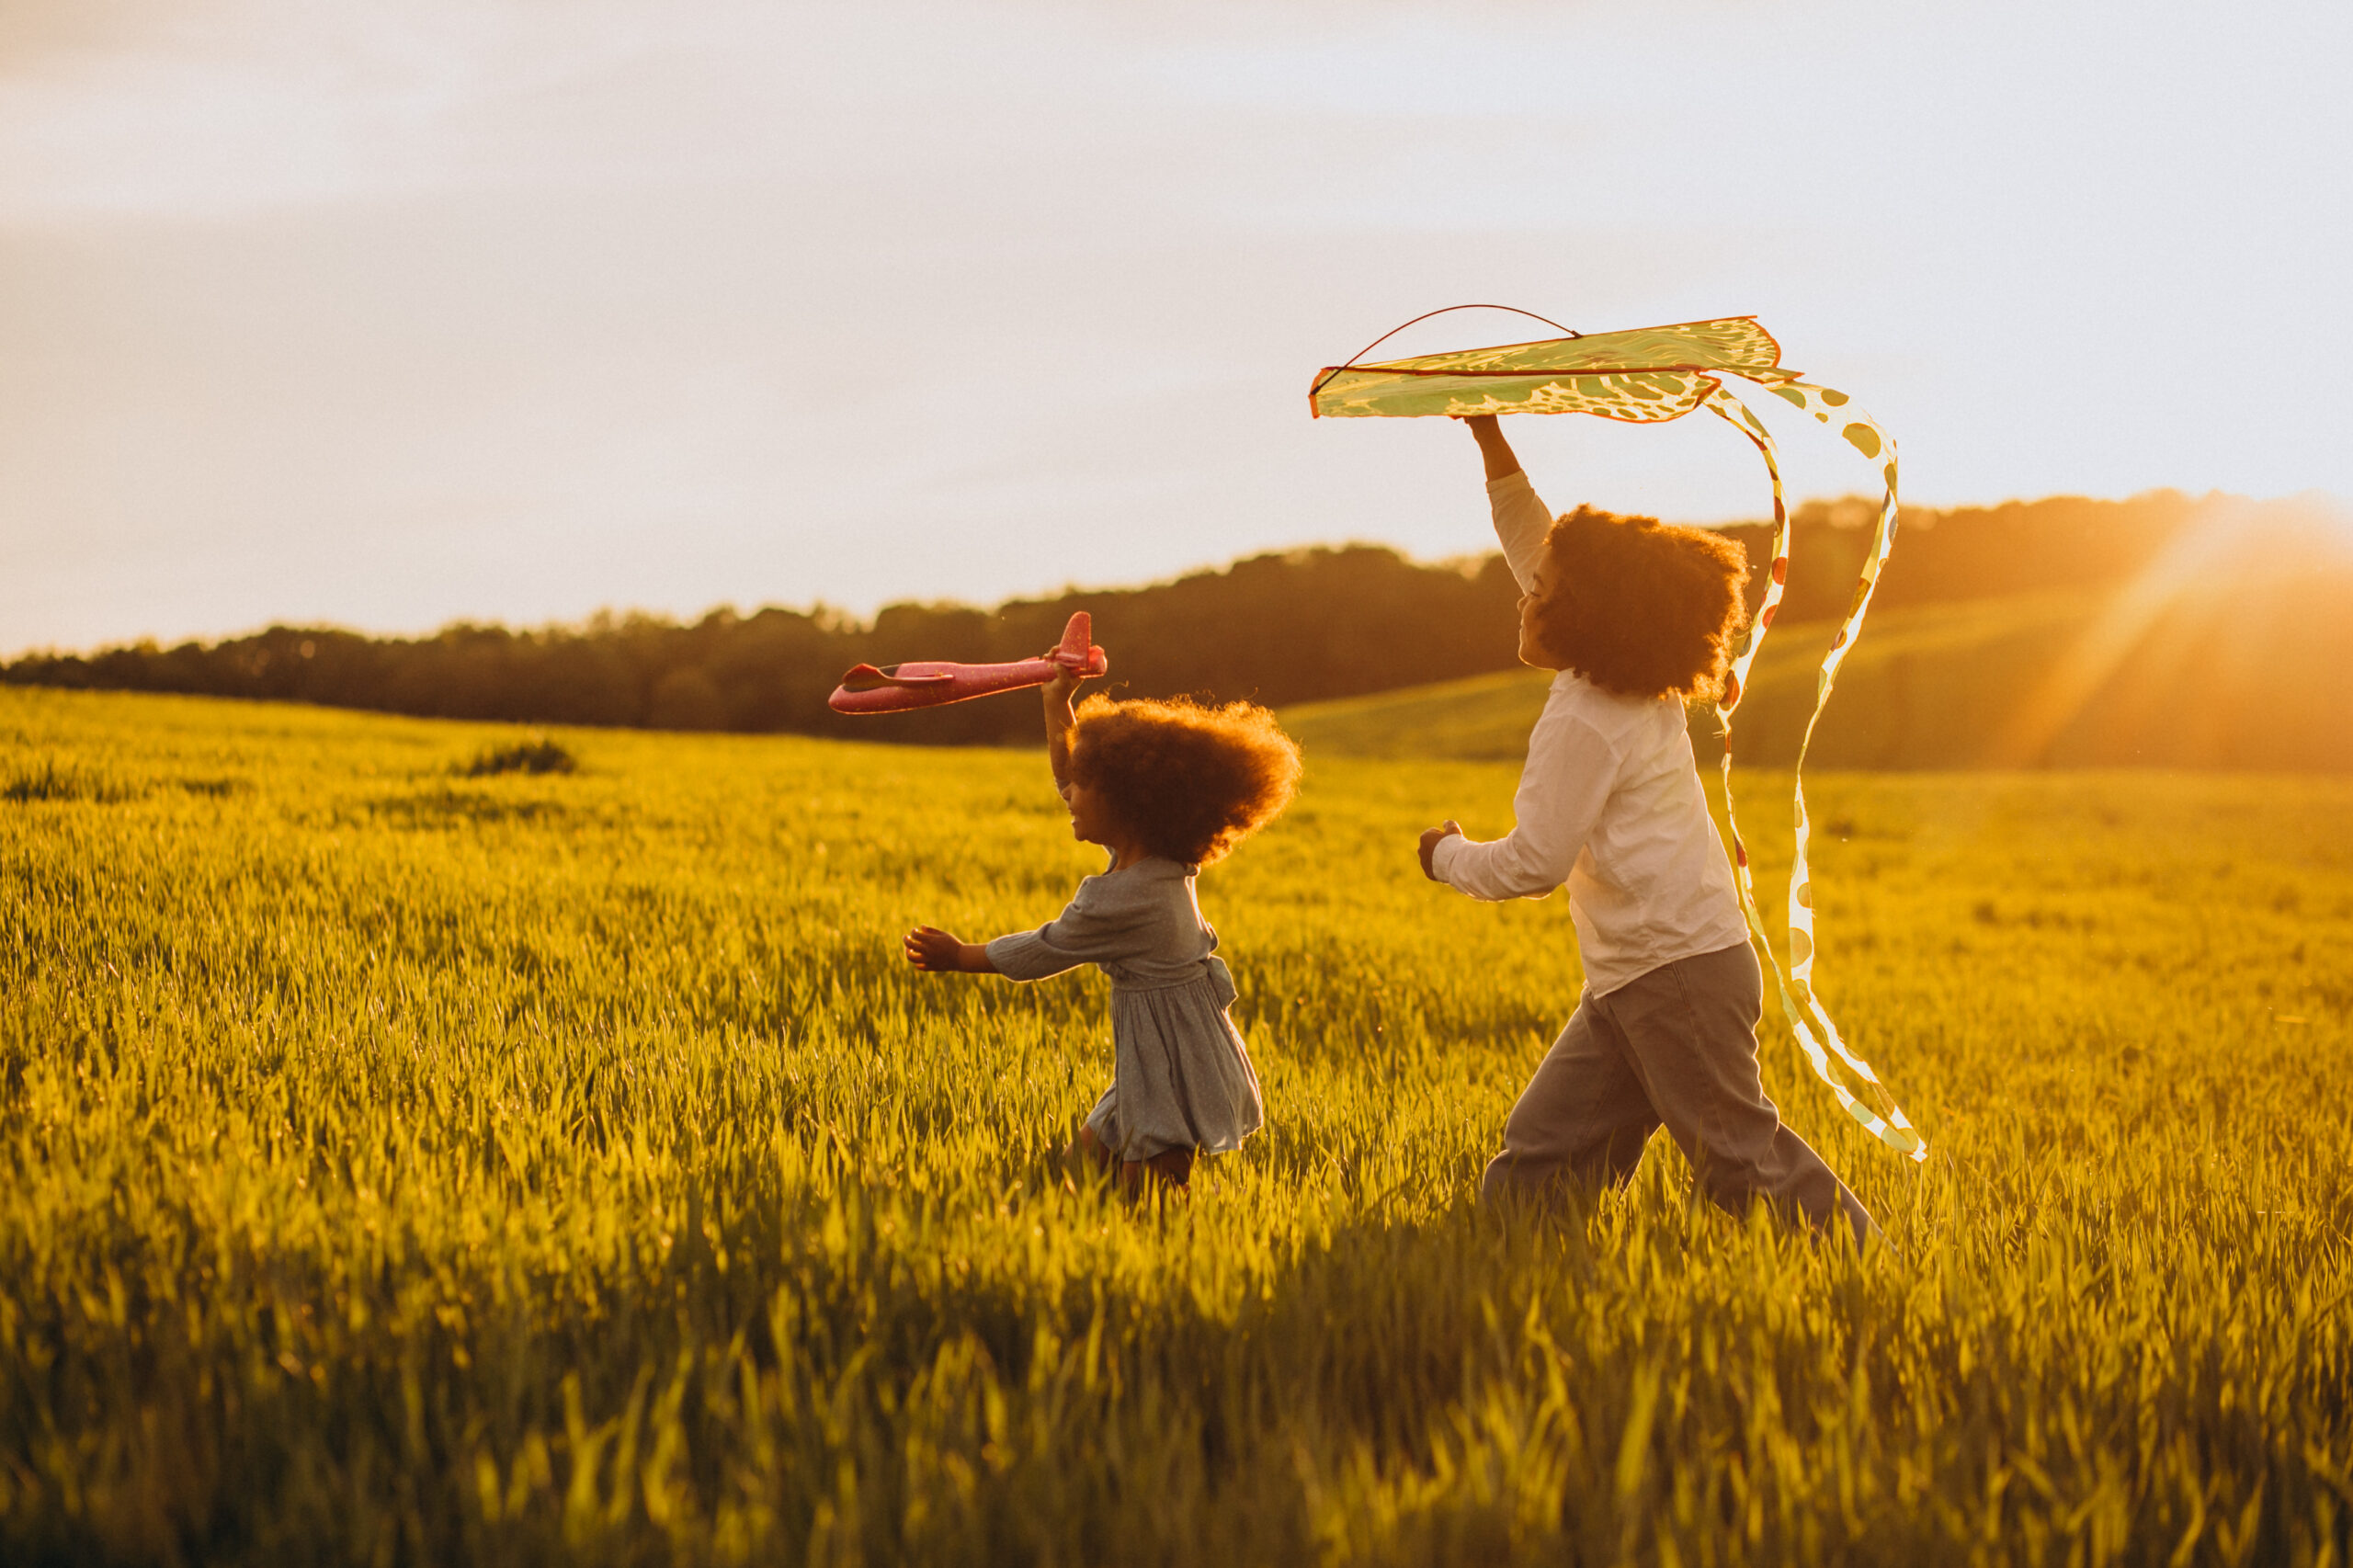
(406, 1166)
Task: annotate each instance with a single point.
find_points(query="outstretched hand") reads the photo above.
(934, 951)
(1431, 837)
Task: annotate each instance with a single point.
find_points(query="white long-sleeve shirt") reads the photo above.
(1609, 803)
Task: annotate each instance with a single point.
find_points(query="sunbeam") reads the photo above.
(2212, 573)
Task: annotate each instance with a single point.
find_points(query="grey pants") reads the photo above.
(1676, 1047)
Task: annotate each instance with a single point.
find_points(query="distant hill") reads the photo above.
(2072, 679)
(2233, 664)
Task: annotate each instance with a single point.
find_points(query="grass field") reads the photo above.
(409, 1167)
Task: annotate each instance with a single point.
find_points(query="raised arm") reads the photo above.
(1521, 520)
(1488, 431)
(1060, 721)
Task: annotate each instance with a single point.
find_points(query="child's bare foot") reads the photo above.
(1168, 1175)
(1087, 1152)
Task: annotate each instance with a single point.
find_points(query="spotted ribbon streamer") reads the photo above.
(1648, 375)
(1809, 1021)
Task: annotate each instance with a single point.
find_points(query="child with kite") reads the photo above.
(1635, 618)
(1165, 788)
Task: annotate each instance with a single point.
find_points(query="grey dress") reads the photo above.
(1181, 1076)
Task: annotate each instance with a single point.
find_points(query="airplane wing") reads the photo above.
(866, 677)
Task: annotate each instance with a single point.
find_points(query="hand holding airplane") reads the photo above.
(900, 689)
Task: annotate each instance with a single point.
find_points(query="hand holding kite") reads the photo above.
(901, 688)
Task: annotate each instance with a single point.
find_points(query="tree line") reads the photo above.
(1278, 629)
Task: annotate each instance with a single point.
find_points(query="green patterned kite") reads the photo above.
(1645, 376)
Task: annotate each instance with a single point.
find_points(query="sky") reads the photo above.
(515, 309)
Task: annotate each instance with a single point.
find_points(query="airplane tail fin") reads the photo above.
(1077, 637)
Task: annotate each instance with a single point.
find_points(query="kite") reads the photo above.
(901, 688)
(1646, 376)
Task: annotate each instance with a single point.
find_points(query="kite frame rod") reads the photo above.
(1538, 371)
(1352, 365)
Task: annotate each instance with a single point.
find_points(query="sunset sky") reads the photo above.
(388, 314)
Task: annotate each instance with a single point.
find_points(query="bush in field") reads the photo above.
(538, 754)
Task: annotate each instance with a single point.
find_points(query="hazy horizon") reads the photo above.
(516, 312)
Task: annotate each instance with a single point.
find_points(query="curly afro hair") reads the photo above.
(1640, 607)
(1190, 781)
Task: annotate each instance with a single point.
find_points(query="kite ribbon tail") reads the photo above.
(1863, 433)
(1807, 1015)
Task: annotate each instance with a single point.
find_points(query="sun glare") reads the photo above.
(2214, 580)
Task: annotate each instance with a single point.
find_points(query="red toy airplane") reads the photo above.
(897, 688)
